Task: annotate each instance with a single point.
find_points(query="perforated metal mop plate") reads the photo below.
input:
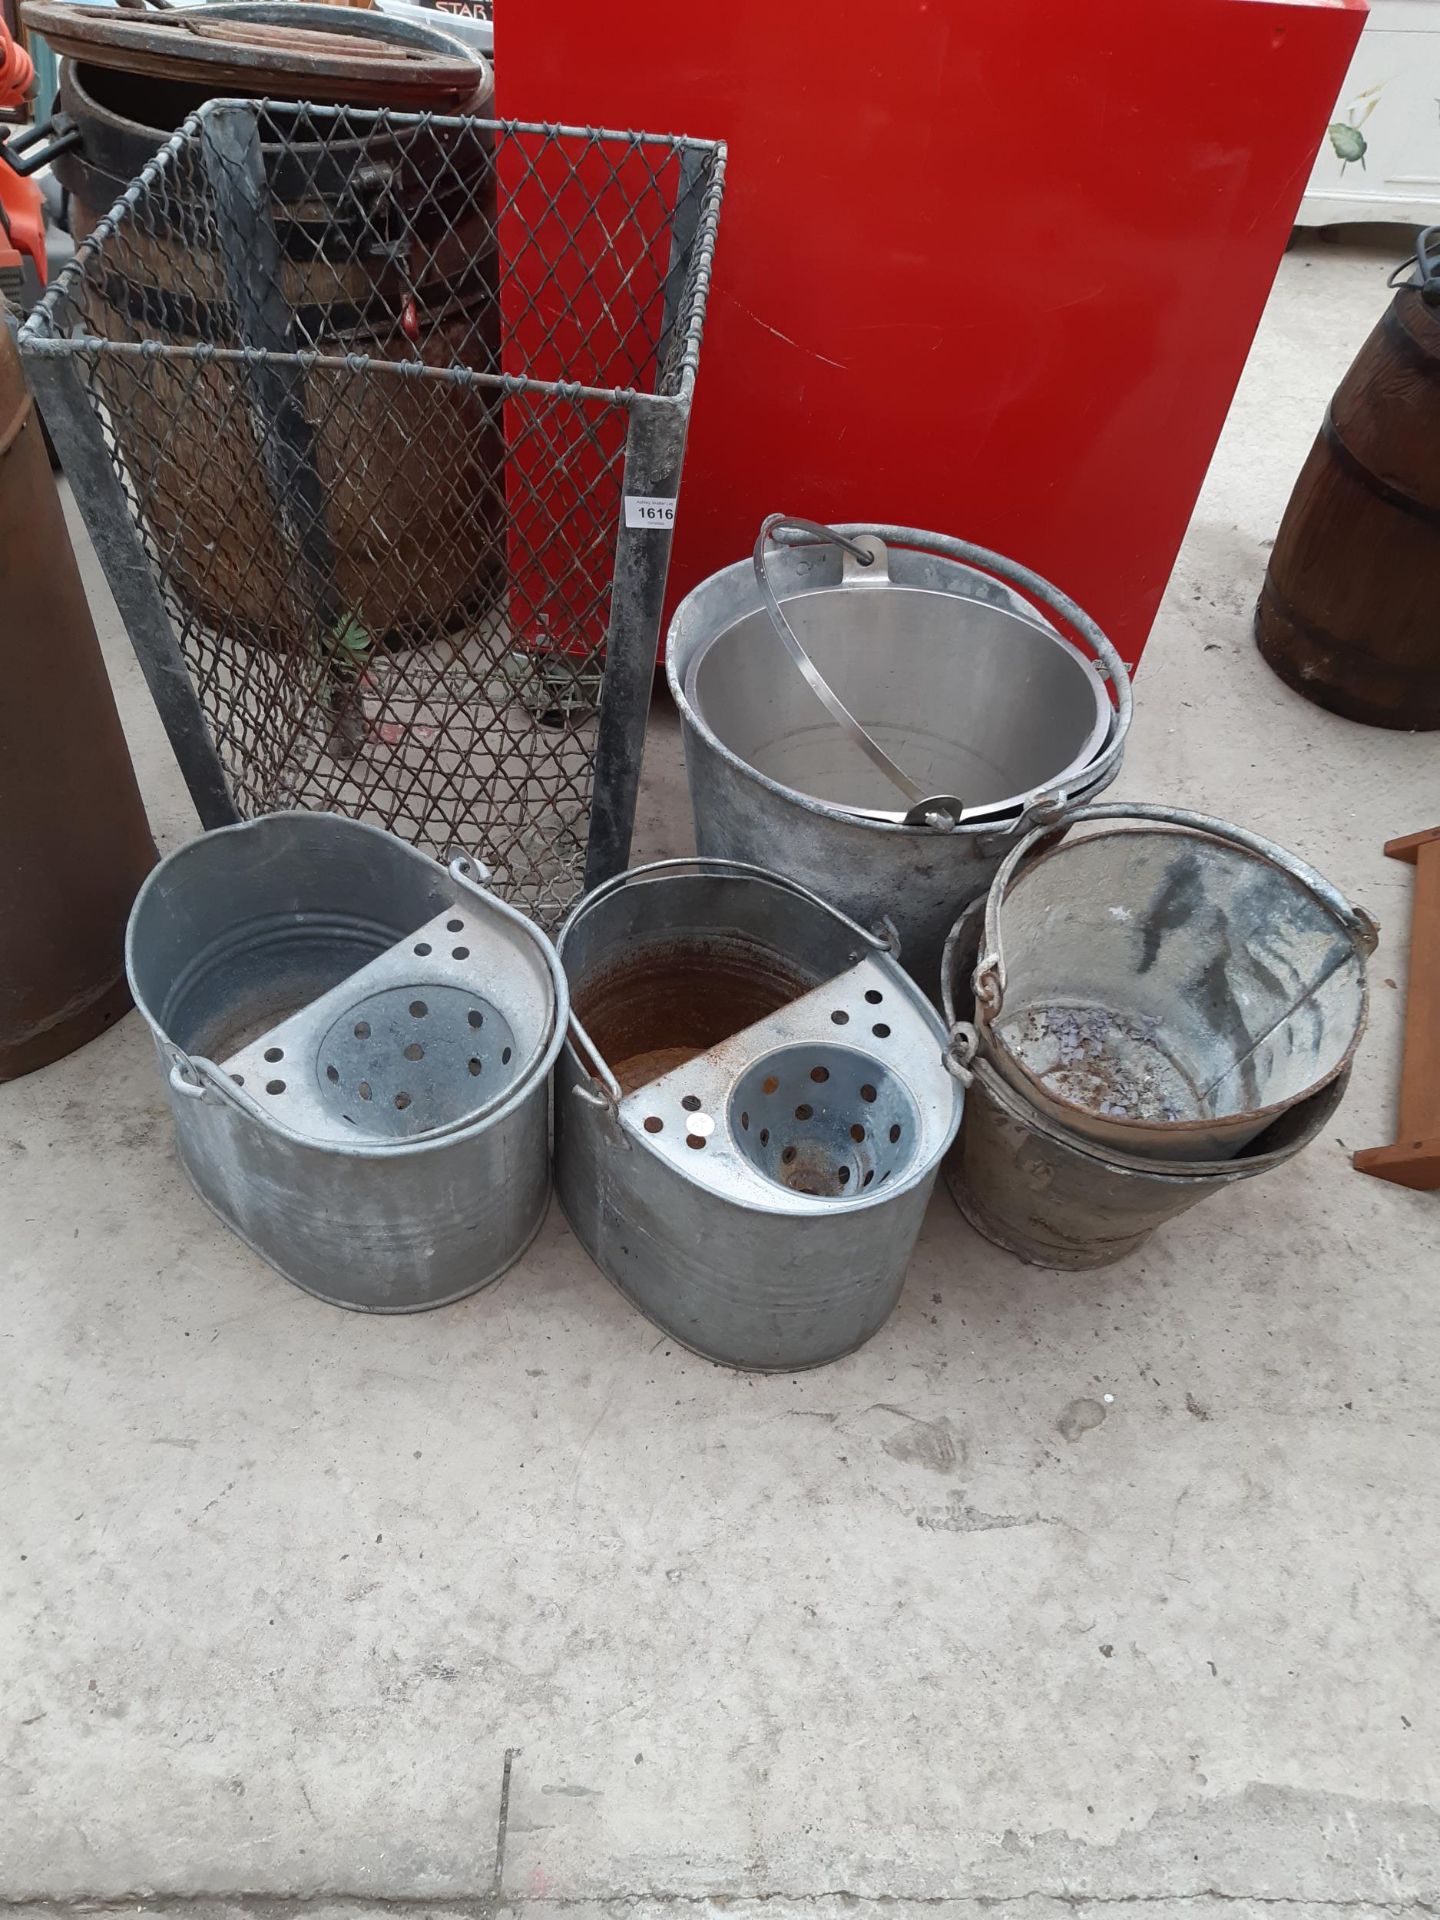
(832, 1100)
(414, 1043)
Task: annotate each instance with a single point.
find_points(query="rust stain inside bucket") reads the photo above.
(667, 1004)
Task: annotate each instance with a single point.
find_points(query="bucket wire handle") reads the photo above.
(185, 1076)
(1034, 586)
(964, 1040)
(199, 1078)
(926, 809)
(960, 1050)
(605, 1090)
(990, 971)
(886, 940)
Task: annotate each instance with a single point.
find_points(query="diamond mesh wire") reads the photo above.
(366, 380)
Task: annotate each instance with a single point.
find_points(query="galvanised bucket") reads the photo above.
(1172, 990)
(1035, 1188)
(750, 1111)
(943, 653)
(1041, 1192)
(357, 1045)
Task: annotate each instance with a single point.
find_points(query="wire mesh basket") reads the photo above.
(376, 421)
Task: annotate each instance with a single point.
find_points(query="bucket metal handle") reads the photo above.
(960, 1050)
(1033, 585)
(1046, 811)
(201, 1079)
(964, 1041)
(608, 1092)
(185, 1076)
(926, 810)
(604, 1089)
(990, 971)
(887, 941)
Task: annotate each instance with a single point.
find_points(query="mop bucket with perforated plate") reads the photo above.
(750, 1111)
(357, 1044)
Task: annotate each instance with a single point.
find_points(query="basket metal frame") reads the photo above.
(56, 348)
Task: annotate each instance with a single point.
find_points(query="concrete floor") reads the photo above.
(280, 1586)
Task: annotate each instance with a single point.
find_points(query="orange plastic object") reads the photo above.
(992, 269)
(22, 220)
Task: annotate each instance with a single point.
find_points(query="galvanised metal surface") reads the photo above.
(357, 1045)
(750, 1111)
(1039, 1190)
(939, 653)
(1169, 990)
(377, 421)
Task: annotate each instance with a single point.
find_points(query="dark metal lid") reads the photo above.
(345, 56)
(1422, 269)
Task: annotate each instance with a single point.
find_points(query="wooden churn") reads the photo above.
(1350, 611)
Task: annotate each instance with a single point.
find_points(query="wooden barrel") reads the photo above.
(1350, 611)
(369, 224)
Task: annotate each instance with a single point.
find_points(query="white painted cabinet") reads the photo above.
(1380, 158)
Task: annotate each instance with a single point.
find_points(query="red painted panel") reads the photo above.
(991, 269)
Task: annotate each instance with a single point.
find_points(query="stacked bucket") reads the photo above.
(1162, 1009)
(1141, 1017)
(958, 663)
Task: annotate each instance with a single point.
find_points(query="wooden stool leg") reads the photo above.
(1414, 1160)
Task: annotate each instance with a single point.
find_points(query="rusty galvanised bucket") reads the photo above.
(1039, 1192)
(1169, 991)
(1031, 1186)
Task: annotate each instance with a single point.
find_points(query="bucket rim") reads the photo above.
(1157, 821)
(1325, 1098)
(1083, 780)
(214, 1085)
(608, 1095)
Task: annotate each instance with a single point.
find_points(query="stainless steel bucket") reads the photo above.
(750, 1111)
(946, 663)
(357, 1044)
(1171, 990)
(1035, 1188)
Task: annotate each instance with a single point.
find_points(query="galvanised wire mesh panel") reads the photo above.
(370, 383)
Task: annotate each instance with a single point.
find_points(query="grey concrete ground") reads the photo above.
(280, 1586)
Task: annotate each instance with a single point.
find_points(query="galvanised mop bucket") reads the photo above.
(357, 1044)
(1041, 1192)
(750, 1111)
(822, 686)
(1171, 990)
